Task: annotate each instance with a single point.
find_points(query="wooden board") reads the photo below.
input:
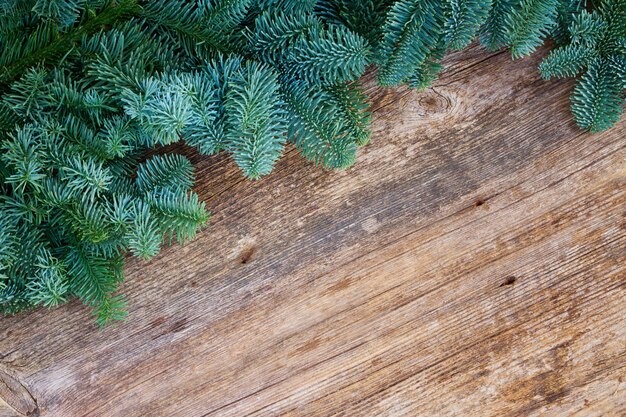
(471, 263)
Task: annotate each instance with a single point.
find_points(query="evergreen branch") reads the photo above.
(170, 171)
(50, 286)
(50, 45)
(463, 21)
(143, 235)
(329, 56)
(494, 33)
(567, 61)
(179, 214)
(94, 279)
(412, 27)
(352, 107)
(365, 17)
(528, 24)
(276, 32)
(318, 135)
(425, 74)
(567, 11)
(598, 98)
(255, 120)
(211, 23)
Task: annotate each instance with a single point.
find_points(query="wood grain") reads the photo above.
(471, 263)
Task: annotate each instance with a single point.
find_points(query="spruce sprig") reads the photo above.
(596, 48)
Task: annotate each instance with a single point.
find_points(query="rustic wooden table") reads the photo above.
(472, 263)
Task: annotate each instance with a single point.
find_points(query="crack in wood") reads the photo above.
(16, 395)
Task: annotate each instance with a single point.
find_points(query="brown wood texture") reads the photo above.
(471, 263)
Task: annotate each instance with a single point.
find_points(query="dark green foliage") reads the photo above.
(88, 87)
(425, 74)
(329, 56)
(255, 119)
(349, 100)
(596, 48)
(494, 32)
(528, 24)
(411, 36)
(66, 226)
(598, 97)
(366, 17)
(464, 18)
(275, 32)
(567, 10)
(165, 171)
(45, 31)
(311, 57)
(521, 25)
(411, 30)
(75, 197)
(310, 110)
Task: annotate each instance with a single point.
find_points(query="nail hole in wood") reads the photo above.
(479, 203)
(508, 281)
(247, 254)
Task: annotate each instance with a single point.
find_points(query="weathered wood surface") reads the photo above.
(471, 263)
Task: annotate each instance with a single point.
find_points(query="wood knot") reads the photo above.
(433, 103)
(245, 251)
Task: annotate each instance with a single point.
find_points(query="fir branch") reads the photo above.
(210, 23)
(95, 279)
(494, 33)
(566, 62)
(425, 74)
(365, 17)
(411, 29)
(329, 56)
(598, 98)
(528, 24)
(179, 214)
(174, 172)
(275, 32)
(351, 102)
(143, 235)
(49, 45)
(255, 120)
(314, 128)
(567, 10)
(463, 21)
(50, 286)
